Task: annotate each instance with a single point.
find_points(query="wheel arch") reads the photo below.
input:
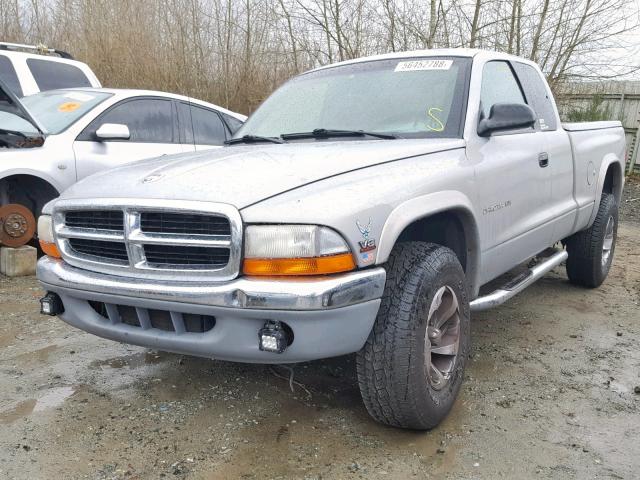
(444, 218)
(610, 180)
(27, 189)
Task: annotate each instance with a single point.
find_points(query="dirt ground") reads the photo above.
(549, 393)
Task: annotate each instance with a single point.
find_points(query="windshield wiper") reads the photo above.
(253, 139)
(13, 132)
(326, 133)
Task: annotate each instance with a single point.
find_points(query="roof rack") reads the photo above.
(41, 49)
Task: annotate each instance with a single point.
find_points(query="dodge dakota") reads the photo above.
(361, 208)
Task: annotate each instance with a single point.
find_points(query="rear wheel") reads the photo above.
(591, 250)
(411, 368)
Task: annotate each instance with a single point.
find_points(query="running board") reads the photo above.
(519, 283)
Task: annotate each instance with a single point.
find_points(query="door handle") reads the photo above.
(543, 159)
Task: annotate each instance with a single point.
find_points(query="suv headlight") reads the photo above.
(45, 236)
(295, 250)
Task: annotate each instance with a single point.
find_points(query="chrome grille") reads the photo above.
(164, 239)
(96, 248)
(97, 219)
(158, 222)
(196, 256)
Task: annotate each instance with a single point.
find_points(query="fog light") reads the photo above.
(273, 337)
(51, 304)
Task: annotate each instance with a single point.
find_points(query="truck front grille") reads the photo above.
(98, 219)
(157, 222)
(168, 240)
(99, 249)
(195, 256)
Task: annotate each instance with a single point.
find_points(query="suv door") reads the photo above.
(200, 128)
(513, 184)
(153, 133)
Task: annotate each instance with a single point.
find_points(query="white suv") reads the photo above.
(52, 139)
(28, 69)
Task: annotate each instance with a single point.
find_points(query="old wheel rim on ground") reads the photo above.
(607, 244)
(442, 340)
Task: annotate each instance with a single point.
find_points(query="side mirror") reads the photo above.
(506, 116)
(113, 131)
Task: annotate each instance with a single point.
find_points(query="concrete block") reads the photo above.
(18, 262)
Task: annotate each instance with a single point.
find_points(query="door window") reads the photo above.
(233, 123)
(537, 96)
(206, 125)
(150, 120)
(50, 75)
(499, 85)
(8, 75)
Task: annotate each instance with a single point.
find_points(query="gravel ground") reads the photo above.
(549, 393)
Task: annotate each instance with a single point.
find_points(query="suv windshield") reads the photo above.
(410, 98)
(55, 110)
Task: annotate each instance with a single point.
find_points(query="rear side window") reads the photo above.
(233, 123)
(150, 120)
(51, 75)
(8, 75)
(536, 93)
(499, 85)
(206, 125)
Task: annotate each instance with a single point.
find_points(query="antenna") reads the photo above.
(193, 130)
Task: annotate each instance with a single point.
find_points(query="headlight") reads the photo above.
(295, 250)
(45, 236)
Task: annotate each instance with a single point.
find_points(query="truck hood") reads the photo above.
(244, 175)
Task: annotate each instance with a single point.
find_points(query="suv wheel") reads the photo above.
(412, 365)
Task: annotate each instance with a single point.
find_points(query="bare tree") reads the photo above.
(235, 52)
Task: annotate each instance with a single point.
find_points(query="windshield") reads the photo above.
(56, 110)
(410, 98)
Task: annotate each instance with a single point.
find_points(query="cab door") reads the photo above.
(512, 178)
(152, 129)
(555, 143)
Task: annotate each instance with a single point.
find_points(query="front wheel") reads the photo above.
(591, 250)
(412, 365)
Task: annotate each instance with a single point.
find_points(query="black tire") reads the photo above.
(588, 265)
(392, 368)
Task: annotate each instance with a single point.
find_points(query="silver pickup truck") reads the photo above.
(360, 209)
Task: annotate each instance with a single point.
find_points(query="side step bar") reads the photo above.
(501, 295)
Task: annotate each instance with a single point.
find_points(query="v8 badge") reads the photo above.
(367, 245)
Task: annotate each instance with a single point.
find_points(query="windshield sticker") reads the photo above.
(80, 97)
(68, 107)
(416, 65)
(440, 126)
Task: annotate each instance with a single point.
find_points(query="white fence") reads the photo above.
(619, 106)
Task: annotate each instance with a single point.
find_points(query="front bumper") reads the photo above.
(329, 316)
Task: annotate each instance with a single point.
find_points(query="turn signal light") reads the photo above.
(46, 238)
(299, 266)
(50, 249)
